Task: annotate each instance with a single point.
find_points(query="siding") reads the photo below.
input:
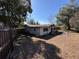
(39, 31)
(36, 32)
(46, 32)
(32, 31)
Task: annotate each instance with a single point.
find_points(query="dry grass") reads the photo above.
(68, 43)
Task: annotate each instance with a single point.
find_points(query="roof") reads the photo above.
(40, 25)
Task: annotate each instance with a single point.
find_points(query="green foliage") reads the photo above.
(37, 23)
(32, 22)
(59, 23)
(74, 21)
(15, 11)
(66, 13)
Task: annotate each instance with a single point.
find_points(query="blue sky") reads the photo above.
(45, 9)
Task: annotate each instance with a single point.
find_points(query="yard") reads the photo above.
(68, 43)
(63, 46)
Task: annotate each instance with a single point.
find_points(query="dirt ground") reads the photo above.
(62, 46)
(68, 43)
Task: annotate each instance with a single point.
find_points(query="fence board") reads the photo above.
(6, 39)
(4, 36)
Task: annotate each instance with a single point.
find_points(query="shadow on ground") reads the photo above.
(25, 48)
(49, 36)
(46, 37)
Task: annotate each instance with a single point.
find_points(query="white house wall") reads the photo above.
(32, 31)
(46, 32)
(39, 31)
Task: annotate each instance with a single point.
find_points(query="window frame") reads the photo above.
(45, 29)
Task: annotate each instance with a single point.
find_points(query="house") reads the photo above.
(40, 29)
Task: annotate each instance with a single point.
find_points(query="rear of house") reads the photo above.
(40, 29)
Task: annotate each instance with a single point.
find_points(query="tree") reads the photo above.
(59, 23)
(14, 10)
(74, 21)
(66, 13)
(37, 23)
(32, 22)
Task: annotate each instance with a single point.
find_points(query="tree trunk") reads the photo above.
(68, 25)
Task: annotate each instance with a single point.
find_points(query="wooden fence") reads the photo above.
(6, 38)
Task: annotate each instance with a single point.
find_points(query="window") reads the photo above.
(45, 29)
(34, 29)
